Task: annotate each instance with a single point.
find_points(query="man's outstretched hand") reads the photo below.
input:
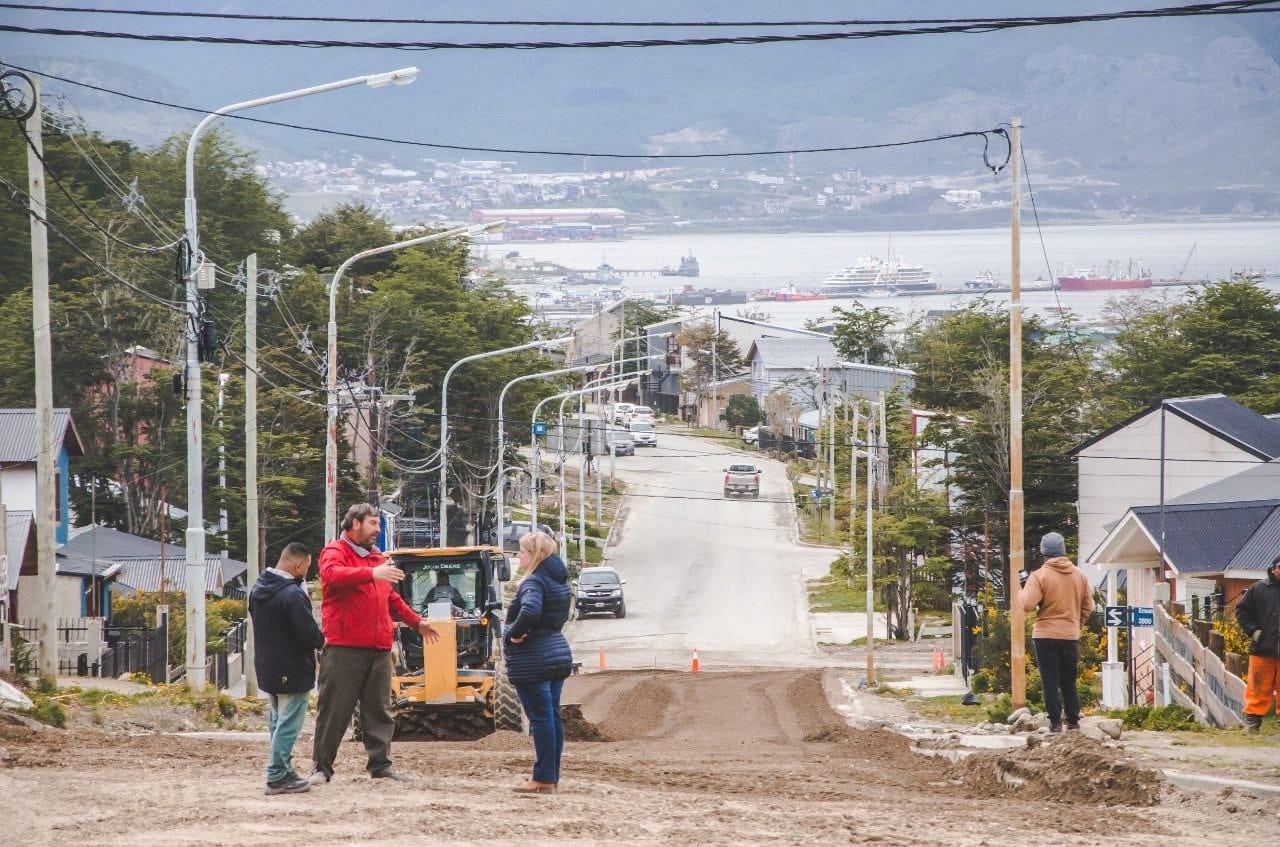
(429, 634)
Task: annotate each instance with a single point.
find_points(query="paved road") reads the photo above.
(723, 576)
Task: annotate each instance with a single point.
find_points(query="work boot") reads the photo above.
(319, 777)
(1252, 724)
(1055, 727)
(393, 775)
(291, 784)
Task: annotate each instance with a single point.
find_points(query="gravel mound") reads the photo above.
(1072, 769)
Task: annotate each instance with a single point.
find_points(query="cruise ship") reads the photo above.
(874, 276)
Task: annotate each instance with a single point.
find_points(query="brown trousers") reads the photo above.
(351, 675)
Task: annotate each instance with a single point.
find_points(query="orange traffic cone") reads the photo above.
(603, 665)
(695, 666)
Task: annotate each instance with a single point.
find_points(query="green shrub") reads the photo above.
(981, 682)
(1000, 709)
(1158, 718)
(1088, 697)
(47, 711)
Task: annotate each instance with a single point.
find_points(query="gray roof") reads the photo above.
(18, 442)
(95, 548)
(143, 574)
(795, 353)
(17, 527)
(1210, 538)
(1259, 482)
(1218, 414)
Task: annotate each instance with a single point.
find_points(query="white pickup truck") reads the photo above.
(742, 479)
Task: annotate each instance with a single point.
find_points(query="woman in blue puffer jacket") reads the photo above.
(538, 656)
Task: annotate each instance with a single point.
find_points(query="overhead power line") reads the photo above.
(692, 24)
(985, 134)
(959, 26)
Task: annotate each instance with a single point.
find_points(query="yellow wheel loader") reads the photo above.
(456, 688)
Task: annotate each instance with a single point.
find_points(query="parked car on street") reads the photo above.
(621, 411)
(742, 479)
(621, 443)
(514, 531)
(640, 414)
(599, 591)
(642, 434)
(752, 435)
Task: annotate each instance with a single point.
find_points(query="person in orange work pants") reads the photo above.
(1259, 615)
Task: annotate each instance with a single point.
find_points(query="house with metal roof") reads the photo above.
(1182, 444)
(796, 365)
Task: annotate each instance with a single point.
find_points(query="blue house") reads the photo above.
(18, 448)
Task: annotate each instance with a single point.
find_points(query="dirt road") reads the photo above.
(716, 758)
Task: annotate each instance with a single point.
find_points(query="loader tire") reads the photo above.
(507, 713)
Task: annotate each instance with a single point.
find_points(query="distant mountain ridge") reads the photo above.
(1167, 104)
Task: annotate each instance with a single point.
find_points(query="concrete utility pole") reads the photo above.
(1017, 634)
(715, 373)
(46, 450)
(252, 553)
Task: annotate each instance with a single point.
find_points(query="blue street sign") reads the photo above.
(539, 428)
(815, 493)
(1143, 615)
(1117, 615)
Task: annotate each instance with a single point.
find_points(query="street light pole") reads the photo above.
(195, 648)
(331, 364)
(537, 465)
(444, 417)
(502, 397)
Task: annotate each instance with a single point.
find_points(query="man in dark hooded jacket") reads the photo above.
(1259, 615)
(285, 638)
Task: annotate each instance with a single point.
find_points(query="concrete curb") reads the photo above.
(1204, 782)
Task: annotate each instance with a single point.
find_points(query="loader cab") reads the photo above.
(470, 579)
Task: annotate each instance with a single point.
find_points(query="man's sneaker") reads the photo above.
(319, 777)
(1073, 727)
(1055, 728)
(392, 775)
(291, 784)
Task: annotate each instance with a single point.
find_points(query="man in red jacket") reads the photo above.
(359, 601)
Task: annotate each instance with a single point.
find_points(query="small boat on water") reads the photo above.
(790, 295)
(1112, 278)
(982, 281)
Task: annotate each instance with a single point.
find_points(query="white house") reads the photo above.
(792, 364)
(1206, 439)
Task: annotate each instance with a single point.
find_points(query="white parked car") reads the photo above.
(640, 414)
(642, 434)
(751, 436)
(621, 412)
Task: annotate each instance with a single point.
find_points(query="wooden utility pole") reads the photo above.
(1017, 634)
(871, 582)
(252, 552)
(853, 485)
(46, 515)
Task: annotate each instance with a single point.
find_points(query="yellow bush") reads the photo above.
(1234, 639)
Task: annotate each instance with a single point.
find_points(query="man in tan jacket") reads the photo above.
(1064, 599)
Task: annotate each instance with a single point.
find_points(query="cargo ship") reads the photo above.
(1113, 278)
(688, 267)
(788, 295)
(706, 297)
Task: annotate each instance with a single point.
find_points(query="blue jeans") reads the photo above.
(541, 702)
(284, 721)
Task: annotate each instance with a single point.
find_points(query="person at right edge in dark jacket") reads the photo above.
(1259, 615)
(538, 656)
(285, 640)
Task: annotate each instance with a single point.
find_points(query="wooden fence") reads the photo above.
(1197, 678)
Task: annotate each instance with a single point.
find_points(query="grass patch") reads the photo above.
(948, 708)
(217, 707)
(831, 594)
(1158, 718)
